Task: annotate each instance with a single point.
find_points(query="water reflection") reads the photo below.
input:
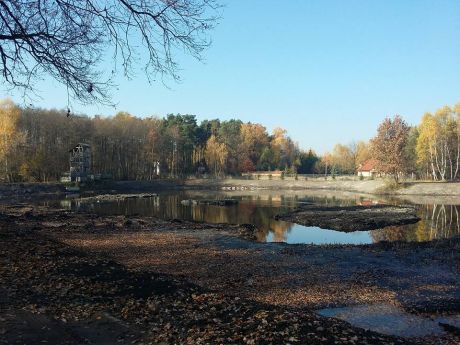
(388, 319)
(312, 234)
(437, 221)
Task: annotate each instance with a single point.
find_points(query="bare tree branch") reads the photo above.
(70, 39)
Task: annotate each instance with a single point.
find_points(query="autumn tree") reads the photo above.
(268, 160)
(343, 159)
(363, 153)
(324, 164)
(426, 145)
(9, 134)
(49, 134)
(284, 150)
(254, 139)
(388, 146)
(279, 147)
(216, 156)
(438, 144)
(202, 133)
(347, 158)
(153, 148)
(127, 147)
(70, 40)
(229, 133)
(411, 151)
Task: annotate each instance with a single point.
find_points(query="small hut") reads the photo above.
(80, 162)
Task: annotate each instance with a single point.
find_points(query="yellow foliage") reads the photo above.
(279, 137)
(362, 153)
(426, 139)
(9, 117)
(9, 136)
(216, 155)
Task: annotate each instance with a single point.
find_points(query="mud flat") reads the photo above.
(9, 191)
(146, 280)
(351, 218)
(70, 296)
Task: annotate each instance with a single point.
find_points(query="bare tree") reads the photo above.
(72, 39)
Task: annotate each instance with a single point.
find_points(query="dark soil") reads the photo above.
(52, 293)
(83, 278)
(351, 218)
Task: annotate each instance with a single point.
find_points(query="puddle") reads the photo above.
(296, 233)
(390, 320)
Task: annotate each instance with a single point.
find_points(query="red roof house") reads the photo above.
(368, 168)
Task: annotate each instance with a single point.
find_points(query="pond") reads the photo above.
(259, 208)
(391, 320)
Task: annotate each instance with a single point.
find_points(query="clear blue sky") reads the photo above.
(327, 71)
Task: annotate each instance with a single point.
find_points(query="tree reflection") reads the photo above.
(280, 230)
(438, 221)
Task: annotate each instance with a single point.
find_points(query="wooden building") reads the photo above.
(80, 162)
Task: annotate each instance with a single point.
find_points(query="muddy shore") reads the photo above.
(105, 190)
(122, 278)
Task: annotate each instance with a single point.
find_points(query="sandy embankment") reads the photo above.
(377, 186)
(413, 192)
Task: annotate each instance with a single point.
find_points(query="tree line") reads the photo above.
(429, 150)
(34, 145)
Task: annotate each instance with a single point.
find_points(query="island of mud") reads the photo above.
(351, 218)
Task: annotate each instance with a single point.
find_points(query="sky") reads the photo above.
(327, 71)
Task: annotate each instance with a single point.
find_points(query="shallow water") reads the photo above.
(388, 319)
(296, 233)
(438, 221)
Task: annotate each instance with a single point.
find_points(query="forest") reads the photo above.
(34, 146)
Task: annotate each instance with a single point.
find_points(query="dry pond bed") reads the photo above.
(96, 279)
